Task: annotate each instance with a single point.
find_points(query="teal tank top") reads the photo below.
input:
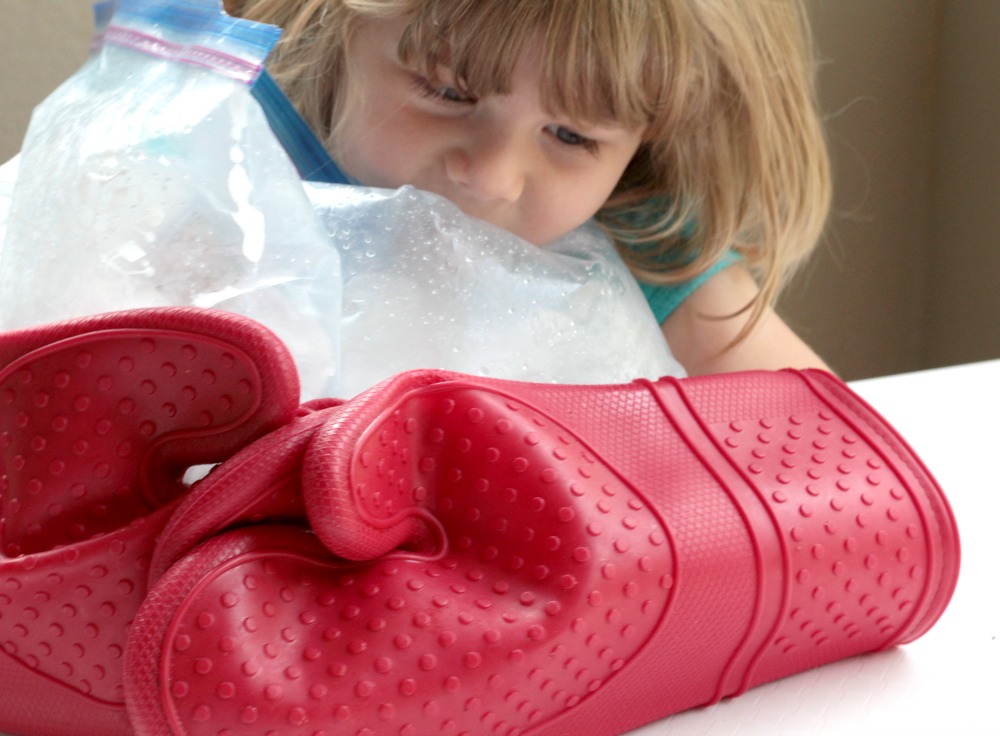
(665, 298)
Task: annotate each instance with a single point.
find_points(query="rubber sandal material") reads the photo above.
(99, 419)
(505, 558)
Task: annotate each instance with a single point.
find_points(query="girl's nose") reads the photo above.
(490, 168)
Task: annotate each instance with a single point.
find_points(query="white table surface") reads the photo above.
(948, 681)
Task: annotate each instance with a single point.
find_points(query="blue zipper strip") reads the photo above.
(205, 20)
(309, 156)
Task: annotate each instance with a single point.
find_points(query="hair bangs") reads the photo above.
(599, 61)
(603, 62)
(479, 43)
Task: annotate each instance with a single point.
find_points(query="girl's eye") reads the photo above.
(442, 92)
(450, 94)
(571, 138)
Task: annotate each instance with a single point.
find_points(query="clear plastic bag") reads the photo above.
(151, 178)
(427, 286)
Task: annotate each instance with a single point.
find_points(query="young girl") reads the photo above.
(687, 128)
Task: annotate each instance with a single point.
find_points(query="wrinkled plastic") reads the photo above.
(426, 286)
(151, 178)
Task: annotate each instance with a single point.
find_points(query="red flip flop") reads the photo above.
(99, 420)
(505, 558)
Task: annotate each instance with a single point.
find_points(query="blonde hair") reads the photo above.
(734, 157)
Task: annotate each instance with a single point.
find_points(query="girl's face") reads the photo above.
(501, 158)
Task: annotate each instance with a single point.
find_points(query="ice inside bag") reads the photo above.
(149, 179)
(427, 286)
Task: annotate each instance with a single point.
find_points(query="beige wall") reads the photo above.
(963, 297)
(41, 43)
(860, 300)
(906, 276)
(911, 89)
